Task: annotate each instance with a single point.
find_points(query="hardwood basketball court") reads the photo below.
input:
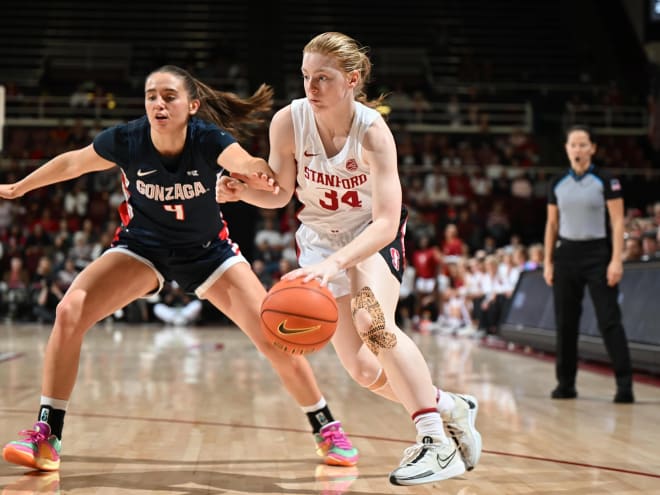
(173, 411)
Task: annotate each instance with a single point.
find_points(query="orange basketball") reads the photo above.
(299, 317)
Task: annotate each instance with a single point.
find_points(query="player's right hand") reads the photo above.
(228, 189)
(8, 191)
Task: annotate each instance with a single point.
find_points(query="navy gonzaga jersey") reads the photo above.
(169, 201)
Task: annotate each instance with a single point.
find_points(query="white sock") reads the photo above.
(446, 402)
(54, 403)
(319, 405)
(430, 425)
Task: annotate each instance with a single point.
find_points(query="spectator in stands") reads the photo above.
(14, 241)
(655, 214)
(521, 186)
(81, 251)
(176, 307)
(7, 209)
(451, 160)
(76, 199)
(78, 135)
(455, 317)
(101, 244)
(480, 184)
(453, 110)
(46, 293)
(268, 242)
(66, 274)
(632, 248)
(105, 181)
(405, 308)
(416, 194)
(46, 220)
(520, 258)
(428, 151)
(452, 244)
(264, 276)
(490, 245)
(650, 250)
(498, 223)
(420, 106)
(406, 149)
(509, 272)
(290, 251)
(582, 249)
(426, 260)
(494, 290)
(459, 188)
(474, 286)
(436, 188)
(539, 183)
(535, 257)
(15, 287)
(83, 95)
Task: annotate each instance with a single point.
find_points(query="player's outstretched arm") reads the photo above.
(63, 167)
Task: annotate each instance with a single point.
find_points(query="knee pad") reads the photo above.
(376, 337)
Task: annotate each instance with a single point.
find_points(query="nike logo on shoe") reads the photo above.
(142, 173)
(445, 462)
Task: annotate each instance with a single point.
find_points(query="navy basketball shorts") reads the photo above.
(194, 268)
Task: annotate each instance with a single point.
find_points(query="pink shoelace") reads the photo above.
(35, 435)
(337, 437)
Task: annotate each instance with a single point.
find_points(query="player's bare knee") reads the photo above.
(362, 373)
(69, 314)
(375, 335)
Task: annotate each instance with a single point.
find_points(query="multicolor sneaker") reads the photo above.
(334, 446)
(335, 480)
(459, 423)
(38, 450)
(35, 482)
(429, 460)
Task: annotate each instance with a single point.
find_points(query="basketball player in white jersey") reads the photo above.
(338, 155)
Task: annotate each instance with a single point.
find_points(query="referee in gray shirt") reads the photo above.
(583, 247)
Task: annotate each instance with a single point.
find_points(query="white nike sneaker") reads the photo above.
(427, 461)
(460, 425)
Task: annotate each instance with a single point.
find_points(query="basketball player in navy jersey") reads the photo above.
(171, 229)
(338, 155)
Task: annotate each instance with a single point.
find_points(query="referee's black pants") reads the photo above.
(576, 264)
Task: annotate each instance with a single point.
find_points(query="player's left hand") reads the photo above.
(324, 271)
(258, 180)
(228, 189)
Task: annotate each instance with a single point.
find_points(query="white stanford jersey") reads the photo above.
(335, 192)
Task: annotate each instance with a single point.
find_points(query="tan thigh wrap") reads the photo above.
(376, 337)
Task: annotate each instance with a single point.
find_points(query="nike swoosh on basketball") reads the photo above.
(281, 328)
(141, 173)
(307, 153)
